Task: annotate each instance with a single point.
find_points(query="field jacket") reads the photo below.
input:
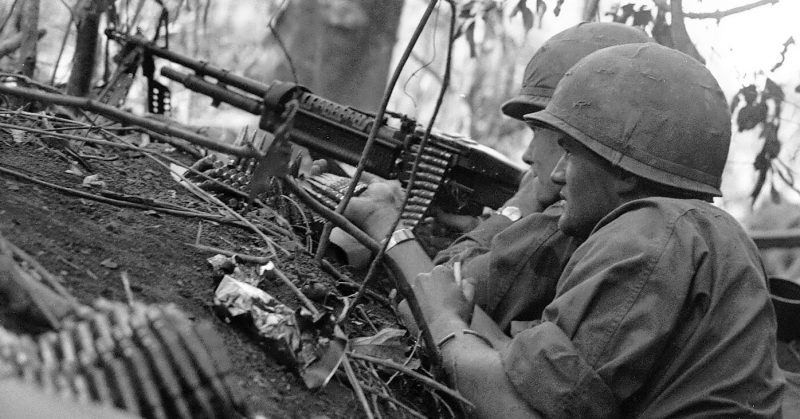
(662, 311)
(515, 266)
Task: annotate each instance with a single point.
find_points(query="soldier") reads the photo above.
(514, 257)
(663, 310)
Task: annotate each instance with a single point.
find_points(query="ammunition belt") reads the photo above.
(430, 176)
(329, 189)
(149, 360)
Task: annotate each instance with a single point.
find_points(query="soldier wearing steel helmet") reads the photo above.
(514, 258)
(663, 310)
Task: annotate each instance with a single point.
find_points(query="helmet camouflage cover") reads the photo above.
(558, 54)
(651, 110)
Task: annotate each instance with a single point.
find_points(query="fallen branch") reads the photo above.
(337, 219)
(344, 279)
(302, 297)
(111, 201)
(128, 118)
(719, 14)
(271, 245)
(351, 376)
(392, 400)
(198, 191)
(18, 285)
(45, 274)
(430, 382)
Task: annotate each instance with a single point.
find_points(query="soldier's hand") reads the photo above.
(527, 199)
(376, 209)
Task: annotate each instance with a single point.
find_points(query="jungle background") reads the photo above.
(345, 50)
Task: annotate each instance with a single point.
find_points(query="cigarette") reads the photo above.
(457, 272)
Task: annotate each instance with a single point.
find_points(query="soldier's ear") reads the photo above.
(628, 183)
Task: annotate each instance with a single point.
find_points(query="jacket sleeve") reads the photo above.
(550, 374)
(474, 243)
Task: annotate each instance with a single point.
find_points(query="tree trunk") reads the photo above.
(680, 38)
(85, 59)
(29, 25)
(341, 49)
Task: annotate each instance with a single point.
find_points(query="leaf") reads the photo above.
(751, 115)
(93, 181)
(110, 264)
(750, 93)
(75, 170)
(541, 8)
(527, 18)
(470, 34)
(734, 103)
(642, 17)
(762, 177)
(386, 344)
(557, 10)
(774, 195)
(772, 91)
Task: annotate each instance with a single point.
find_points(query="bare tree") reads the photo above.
(29, 26)
(87, 20)
(340, 49)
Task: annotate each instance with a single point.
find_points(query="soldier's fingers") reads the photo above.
(318, 167)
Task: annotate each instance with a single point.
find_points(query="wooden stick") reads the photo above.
(126, 285)
(351, 376)
(391, 399)
(337, 219)
(425, 380)
(244, 258)
(129, 118)
(309, 305)
(719, 14)
(46, 275)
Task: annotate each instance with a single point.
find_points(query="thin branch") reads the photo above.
(430, 382)
(719, 14)
(126, 117)
(121, 203)
(8, 17)
(402, 283)
(336, 218)
(50, 278)
(302, 297)
(325, 237)
(260, 260)
(351, 376)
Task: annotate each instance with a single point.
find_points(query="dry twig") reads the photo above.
(244, 258)
(719, 14)
(421, 378)
(351, 376)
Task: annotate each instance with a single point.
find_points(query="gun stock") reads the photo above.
(456, 174)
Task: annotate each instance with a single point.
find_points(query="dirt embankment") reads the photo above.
(89, 244)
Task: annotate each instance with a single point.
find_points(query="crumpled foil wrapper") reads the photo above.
(315, 347)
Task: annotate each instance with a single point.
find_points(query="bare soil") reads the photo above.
(88, 244)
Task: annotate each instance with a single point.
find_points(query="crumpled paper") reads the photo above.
(314, 346)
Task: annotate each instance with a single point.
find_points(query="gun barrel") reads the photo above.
(220, 93)
(201, 68)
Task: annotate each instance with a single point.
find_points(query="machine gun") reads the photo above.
(456, 174)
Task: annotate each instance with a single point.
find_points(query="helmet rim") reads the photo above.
(624, 161)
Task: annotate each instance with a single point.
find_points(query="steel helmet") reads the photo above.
(558, 54)
(651, 110)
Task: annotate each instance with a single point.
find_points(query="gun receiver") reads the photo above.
(455, 173)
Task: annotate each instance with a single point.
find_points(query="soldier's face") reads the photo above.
(590, 188)
(542, 155)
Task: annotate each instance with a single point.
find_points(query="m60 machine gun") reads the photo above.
(456, 174)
